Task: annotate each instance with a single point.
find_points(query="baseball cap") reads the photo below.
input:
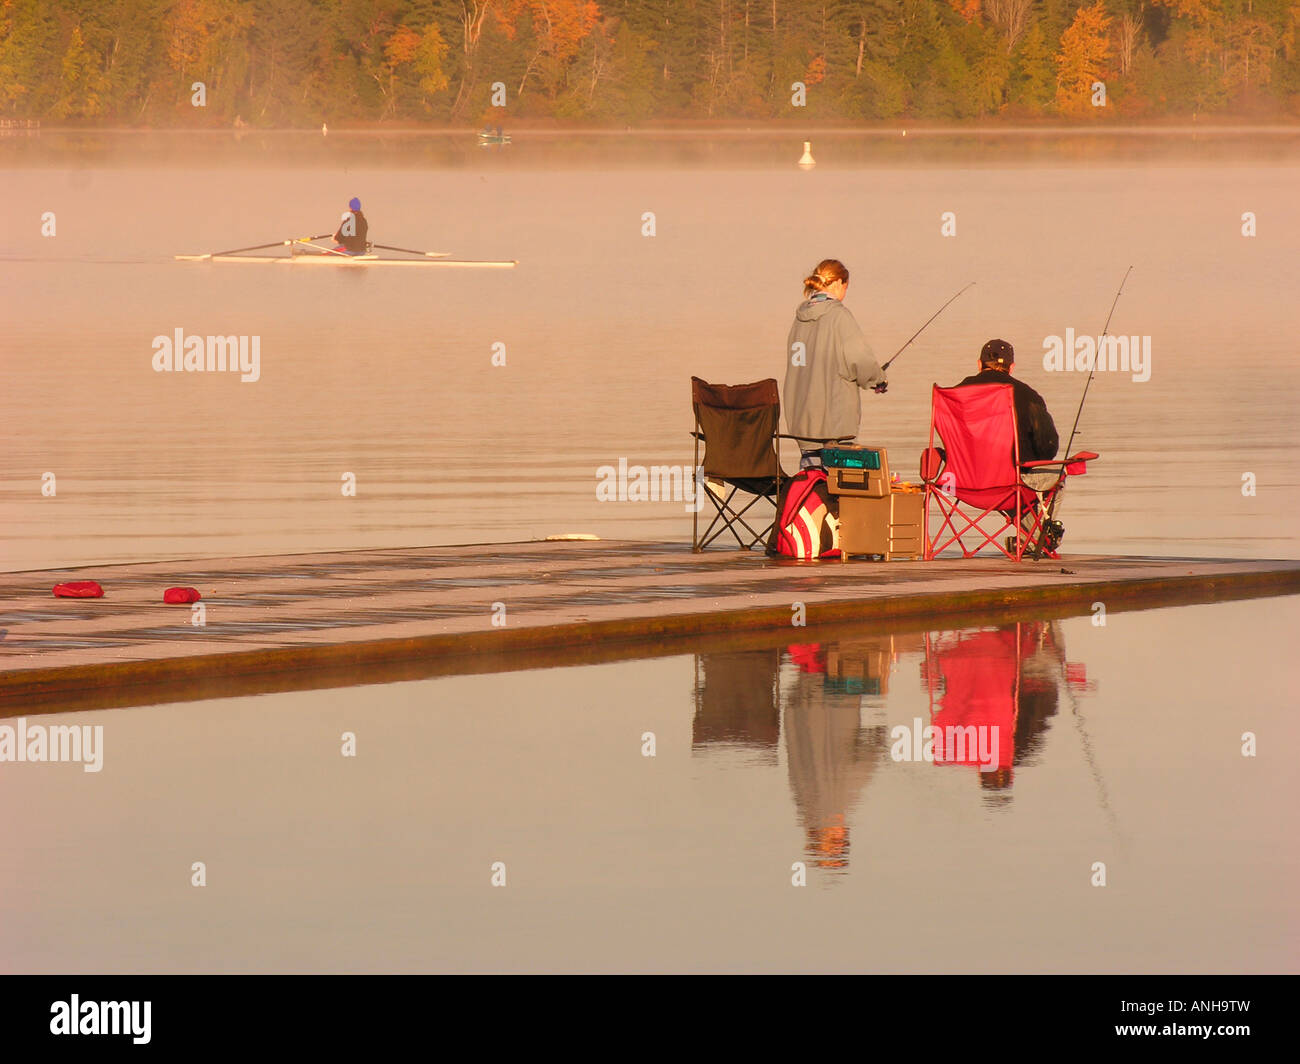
(997, 352)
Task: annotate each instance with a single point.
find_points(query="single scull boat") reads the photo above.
(351, 260)
(319, 256)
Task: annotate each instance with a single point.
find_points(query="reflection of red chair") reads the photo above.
(979, 676)
(978, 478)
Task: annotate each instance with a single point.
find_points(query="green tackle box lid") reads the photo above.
(851, 457)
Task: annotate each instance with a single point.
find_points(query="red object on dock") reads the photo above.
(181, 594)
(78, 589)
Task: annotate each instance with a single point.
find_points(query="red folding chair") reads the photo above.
(976, 480)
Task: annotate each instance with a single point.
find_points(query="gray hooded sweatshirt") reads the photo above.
(823, 397)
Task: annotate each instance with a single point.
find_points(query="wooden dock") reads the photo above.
(323, 620)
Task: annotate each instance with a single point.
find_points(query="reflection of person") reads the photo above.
(1004, 679)
(831, 758)
(824, 377)
(353, 231)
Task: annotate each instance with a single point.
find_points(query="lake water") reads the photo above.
(770, 763)
(388, 374)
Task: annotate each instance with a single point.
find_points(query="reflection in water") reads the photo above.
(990, 692)
(831, 758)
(736, 700)
(1005, 679)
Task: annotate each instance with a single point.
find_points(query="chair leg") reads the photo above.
(728, 516)
(695, 514)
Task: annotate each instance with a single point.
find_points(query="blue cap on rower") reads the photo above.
(354, 204)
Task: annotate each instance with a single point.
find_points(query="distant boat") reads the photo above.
(496, 136)
(304, 253)
(352, 261)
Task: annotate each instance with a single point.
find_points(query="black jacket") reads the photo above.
(356, 243)
(1034, 425)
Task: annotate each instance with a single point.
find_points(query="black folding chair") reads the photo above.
(738, 425)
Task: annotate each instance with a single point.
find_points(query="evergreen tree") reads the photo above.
(1033, 84)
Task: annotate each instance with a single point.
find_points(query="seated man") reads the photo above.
(1036, 432)
(354, 230)
(1035, 428)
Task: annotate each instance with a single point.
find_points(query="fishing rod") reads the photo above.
(1105, 331)
(1089, 755)
(922, 329)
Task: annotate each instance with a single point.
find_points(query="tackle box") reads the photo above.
(860, 471)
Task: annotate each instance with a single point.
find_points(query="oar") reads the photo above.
(408, 251)
(317, 247)
(254, 247)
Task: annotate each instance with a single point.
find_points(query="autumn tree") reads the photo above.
(301, 61)
(206, 41)
(1011, 17)
(558, 29)
(1231, 41)
(83, 83)
(1082, 59)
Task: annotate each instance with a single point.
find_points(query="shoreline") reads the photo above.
(792, 127)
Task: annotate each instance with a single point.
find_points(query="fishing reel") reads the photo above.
(1053, 533)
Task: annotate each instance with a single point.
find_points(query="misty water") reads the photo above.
(773, 762)
(1122, 744)
(388, 374)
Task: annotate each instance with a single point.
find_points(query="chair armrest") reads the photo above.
(932, 463)
(1082, 456)
(1073, 466)
(814, 439)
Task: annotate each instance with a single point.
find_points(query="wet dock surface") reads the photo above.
(369, 616)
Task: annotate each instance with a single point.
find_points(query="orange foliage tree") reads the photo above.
(1085, 49)
(1229, 40)
(559, 26)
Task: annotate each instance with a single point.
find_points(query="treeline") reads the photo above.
(301, 62)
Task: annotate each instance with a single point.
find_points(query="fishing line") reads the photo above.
(923, 328)
(1105, 331)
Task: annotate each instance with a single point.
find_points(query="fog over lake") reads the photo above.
(388, 374)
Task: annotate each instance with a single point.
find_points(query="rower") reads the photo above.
(351, 237)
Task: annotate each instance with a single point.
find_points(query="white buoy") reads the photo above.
(904, 132)
(324, 130)
(807, 161)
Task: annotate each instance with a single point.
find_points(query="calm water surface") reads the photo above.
(1120, 745)
(387, 374)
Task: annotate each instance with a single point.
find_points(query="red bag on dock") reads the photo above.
(78, 589)
(181, 595)
(806, 524)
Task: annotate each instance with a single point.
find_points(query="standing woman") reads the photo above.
(824, 377)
